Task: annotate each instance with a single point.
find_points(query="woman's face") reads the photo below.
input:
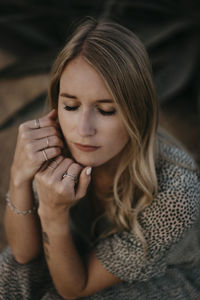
(88, 116)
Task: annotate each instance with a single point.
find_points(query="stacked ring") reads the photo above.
(45, 155)
(71, 176)
(37, 124)
(47, 140)
(50, 167)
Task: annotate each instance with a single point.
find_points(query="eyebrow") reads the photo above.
(66, 95)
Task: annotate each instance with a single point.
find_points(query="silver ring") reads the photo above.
(47, 141)
(37, 123)
(45, 155)
(50, 167)
(71, 176)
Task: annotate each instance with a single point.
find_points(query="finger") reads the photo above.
(49, 120)
(48, 154)
(42, 133)
(53, 114)
(47, 142)
(43, 167)
(72, 173)
(54, 163)
(50, 165)
(84, 181)
(38, 123)
(62, 168)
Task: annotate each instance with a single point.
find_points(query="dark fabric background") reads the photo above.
(33, 31)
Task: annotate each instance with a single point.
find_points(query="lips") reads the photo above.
(86, 148)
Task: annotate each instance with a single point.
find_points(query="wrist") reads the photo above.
(56, 222)
(18, 179)
(51, 214)
(19, 211)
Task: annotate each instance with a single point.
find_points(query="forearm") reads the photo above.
(65, 264)
(23, 231)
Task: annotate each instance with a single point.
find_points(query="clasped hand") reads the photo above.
(60, 181)
(61, 184)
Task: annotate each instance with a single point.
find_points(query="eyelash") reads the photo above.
(104, 113)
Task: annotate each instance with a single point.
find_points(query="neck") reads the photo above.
(103, 176)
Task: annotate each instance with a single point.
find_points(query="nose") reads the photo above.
(86, 124)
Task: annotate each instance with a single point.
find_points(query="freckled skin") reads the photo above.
(86, 125)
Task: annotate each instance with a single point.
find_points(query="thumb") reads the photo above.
(84, 181)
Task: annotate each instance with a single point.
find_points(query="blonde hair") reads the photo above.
(120, 58)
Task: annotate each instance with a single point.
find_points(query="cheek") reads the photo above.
(118, 137)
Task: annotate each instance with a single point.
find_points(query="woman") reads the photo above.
(118, 202)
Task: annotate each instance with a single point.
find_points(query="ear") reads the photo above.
(53, 114)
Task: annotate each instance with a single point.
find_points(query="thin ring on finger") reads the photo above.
(50, 167)
(71, 176)
(45, 155)
(47, 140)
(37, 123)
(54, 163)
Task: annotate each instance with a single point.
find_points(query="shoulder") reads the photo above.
(175, 208)
(171, 150)
(176, 169)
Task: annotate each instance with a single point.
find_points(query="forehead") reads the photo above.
(80, 76)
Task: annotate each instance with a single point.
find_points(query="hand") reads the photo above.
(61, 185)
(35, 146)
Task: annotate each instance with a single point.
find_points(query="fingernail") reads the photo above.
(88, 171)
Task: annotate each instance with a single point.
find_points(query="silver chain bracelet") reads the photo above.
(18, 211)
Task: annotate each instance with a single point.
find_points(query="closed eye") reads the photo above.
(70, 108)
(103, 112)
(107, 113)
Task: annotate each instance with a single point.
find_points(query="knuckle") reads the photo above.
(24, 135)
(28, 147)
(50, 181)
(61, 190)
(21, 127)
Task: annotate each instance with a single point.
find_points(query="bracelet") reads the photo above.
(18, 211)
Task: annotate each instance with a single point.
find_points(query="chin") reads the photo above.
(88, 162)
